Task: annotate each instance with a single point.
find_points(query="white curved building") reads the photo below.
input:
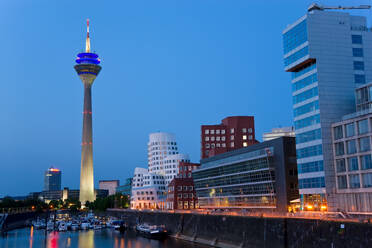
(160, 145)
(171, 165)
(148, 190)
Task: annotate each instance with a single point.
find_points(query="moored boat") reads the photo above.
(152, 231)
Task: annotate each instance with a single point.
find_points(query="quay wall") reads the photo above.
(18, 220)
(240, 231)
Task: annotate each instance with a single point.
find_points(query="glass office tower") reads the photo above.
(329, 54)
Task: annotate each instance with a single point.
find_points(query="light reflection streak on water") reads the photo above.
(53, 240)
(31, 236)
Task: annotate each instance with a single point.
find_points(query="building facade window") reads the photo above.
(350, 130)
(358, 65)
(363, 126)
(364, 144)
(310, 167)
(305, 95)
(366, 162)
(339, 149)
(340, 165)
(309, 151)
(351, 147)
(357, 52)
(306, 108)
(354, 181)
(305, 82)
(338, 133)
(353, 163)
(367, 180)
(359, 79)
(356, 39)
(342, 183)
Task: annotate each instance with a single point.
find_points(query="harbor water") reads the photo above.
(32, 238)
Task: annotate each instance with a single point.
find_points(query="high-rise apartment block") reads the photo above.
(52, 179)
(329, 54)
(233, 133)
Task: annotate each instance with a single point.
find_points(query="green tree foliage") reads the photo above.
(113, 201)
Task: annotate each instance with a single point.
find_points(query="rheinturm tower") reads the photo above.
(87, 68)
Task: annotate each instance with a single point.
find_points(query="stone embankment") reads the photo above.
(240, 231)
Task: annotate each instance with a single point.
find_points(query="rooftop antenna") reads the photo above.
(87, 42)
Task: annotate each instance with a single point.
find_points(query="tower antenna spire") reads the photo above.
(87, 42)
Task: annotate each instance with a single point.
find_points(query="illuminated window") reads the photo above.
(212, 138)
(232, 144)
(218, 138)
(212, 131)
(217, 131)
(232, 137)
(223, 145)
(223, 138)
(245, 144)
(223, 131)
(206, 131)
(207, 138)
(244, 130)
(244, 137)
(232, 130)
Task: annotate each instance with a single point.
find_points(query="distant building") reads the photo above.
(148, 190)
(279, 132)
(125, 189)
(233, 133)
(353, 155)
(261, 176)
(52, 179)
(64, 194)
(110, 185)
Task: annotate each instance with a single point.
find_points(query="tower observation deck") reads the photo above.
(87, 68)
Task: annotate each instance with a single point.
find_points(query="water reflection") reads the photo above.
(32, 238)
(86, 239)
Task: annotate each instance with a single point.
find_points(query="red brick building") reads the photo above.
(234, 132)
(181, 192)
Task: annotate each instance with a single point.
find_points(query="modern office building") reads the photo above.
(110, 185)
(233, 133)
(328, 54)
(87, 68)
(260, 176)
(181, 194)
(52, 179)
(148, 190)
(171, 165)
(353, 155)
(279, 132)
(126, 188)
(160, 145)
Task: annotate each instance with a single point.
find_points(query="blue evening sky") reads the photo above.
(168, 66)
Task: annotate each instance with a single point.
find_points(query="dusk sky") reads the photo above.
(167, 66)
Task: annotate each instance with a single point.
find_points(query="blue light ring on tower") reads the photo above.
(87, 58)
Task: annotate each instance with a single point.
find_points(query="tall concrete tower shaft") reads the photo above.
(87, 68)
